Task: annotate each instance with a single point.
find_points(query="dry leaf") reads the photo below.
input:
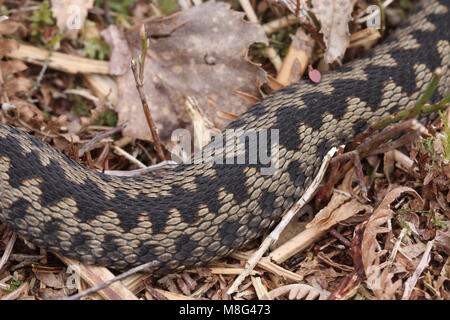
(442, 240)
(16, 85)
(199, 53)
(12, 66)
(334, 16)
(300, 292)
(340, 208)
(50, 294)
(9, 26)
(70, 15)
(119, 62)
(378, 278)
(50, 279)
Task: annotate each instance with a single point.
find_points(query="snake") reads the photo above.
(202, 210)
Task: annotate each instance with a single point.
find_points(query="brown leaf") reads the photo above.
(198, 54)
(7, 45)
(334, 16)
(9, 26)
(12, 66)
(300, 291)
(340, 208)
(18, 84)
(378, 278)
(442, 240)
(119, 62)
(50, 279)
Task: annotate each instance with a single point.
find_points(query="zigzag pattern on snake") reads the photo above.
(198, 212)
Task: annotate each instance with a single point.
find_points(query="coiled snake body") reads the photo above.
(198, 212)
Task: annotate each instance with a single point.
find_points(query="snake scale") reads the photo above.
(198, 212)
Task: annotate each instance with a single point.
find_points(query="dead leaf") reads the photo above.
(70, 15)
(199, 53)
(16, 85)
(340, 208)
(119, 62)
(442, 240)
(12, 66)
(50, 294)
(334, 16)
(378, 277)
(7, 45)
(9, 26)
(300, 291)
(50, 279)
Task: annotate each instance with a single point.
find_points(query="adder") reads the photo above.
(198, 212)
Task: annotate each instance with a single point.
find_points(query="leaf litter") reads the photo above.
(191, 56)
(197, 74)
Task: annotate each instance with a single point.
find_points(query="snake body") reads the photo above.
(199, 212)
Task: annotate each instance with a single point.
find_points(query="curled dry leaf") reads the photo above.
(50, 279)
(8, 45)
(12, 66)
(340, 208)
(334, 16)
(299, 291)
(16, 85)
(378, 278)
(199, 53)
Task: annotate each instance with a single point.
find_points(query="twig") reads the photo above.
(277, 24)
(375, 13)
(273, 236)
(341, 238)
(105, 284)
(129, 157)
(437, 75)
(354, 157)
(41, 75)
(164, 165)
(16, 293)
(411, 282)
(139, 78)
(99, 137)
(8, 250)
(270, 52)
(249, 12)
(3, 89)
(107, 13)
(59, 61)
(419, 108)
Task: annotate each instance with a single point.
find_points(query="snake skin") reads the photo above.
(199, 212)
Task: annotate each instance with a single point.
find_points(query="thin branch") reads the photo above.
(274, 235)
(8, 250)
(411, 282)
(139, 78)
(99, 137)
(144, 267)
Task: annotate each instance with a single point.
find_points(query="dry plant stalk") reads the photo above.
(274, 235)
(139, 78)
(59, 61)
(97, 275)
